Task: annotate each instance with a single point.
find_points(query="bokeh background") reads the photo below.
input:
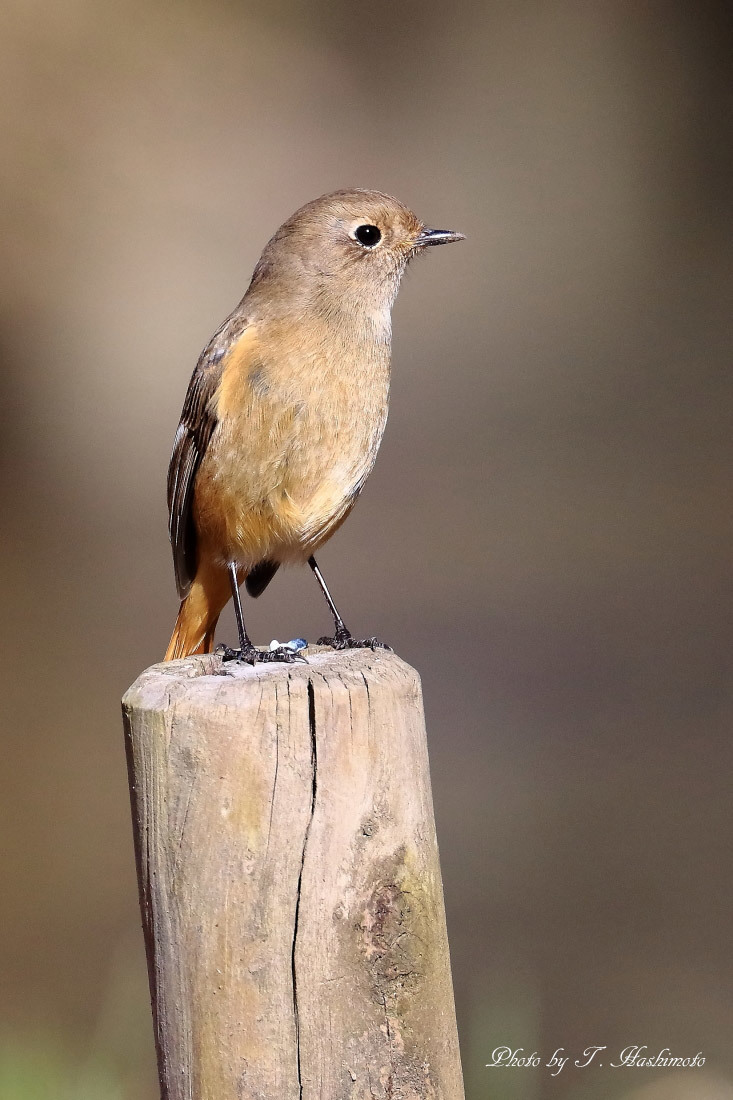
(546, 536)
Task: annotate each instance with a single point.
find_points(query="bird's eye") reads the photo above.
(367, 235)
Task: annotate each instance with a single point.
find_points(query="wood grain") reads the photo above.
(289, 879)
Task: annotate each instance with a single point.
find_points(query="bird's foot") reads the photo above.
(247, 654)
(252, 656)
(343, 639)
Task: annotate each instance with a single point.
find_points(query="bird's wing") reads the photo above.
(198, 421)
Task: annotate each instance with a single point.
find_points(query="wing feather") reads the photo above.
(197, 425)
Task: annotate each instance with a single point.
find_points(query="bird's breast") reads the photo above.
(299, 426)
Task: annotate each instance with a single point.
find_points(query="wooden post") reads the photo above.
(289, 880)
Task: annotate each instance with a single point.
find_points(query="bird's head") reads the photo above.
(350, 247)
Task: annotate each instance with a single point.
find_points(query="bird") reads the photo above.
(285, 412)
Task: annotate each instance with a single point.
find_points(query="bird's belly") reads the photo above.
(278, 488)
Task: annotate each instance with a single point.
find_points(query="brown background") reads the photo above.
(547, 534)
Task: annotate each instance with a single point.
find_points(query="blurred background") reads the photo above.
(546, 536)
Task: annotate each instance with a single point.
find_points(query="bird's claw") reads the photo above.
(250, 655)
(343, 639)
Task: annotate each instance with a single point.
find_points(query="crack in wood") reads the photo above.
(314, 787)
(277, 766)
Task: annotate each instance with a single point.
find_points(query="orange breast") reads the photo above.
(299, 424)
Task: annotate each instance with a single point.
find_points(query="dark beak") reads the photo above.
(438, 236)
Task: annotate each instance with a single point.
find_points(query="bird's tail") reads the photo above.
(199, 613)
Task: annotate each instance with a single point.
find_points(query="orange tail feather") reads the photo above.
(199, 613)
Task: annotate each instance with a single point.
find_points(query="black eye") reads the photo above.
(368, 235)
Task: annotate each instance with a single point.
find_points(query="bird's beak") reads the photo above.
(438, 236)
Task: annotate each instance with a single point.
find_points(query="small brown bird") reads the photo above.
(285, 411)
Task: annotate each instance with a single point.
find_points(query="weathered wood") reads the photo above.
(289, 879)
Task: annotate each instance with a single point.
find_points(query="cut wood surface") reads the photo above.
(290, 883)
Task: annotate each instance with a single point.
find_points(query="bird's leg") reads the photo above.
(247, 651)
(342, 636)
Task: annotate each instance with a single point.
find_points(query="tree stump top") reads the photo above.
(209, 678)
